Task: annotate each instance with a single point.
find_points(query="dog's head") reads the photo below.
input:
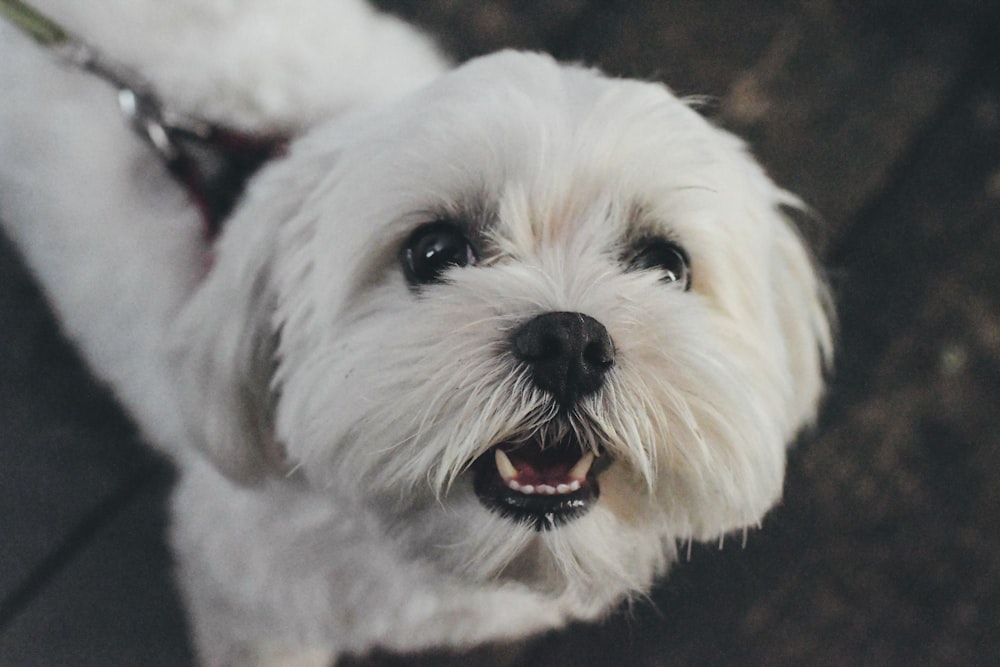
(542, 323)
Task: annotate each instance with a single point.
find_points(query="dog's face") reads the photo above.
(542, 323)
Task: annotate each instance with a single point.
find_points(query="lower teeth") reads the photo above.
(529, 489)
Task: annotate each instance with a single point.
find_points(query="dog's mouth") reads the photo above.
(545, 485)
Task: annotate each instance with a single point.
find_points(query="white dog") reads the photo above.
(470, 360)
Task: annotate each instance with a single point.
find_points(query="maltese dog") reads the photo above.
(469, 359)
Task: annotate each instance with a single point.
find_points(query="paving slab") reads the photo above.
(114, 604)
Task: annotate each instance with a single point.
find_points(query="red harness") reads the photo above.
(215, 168)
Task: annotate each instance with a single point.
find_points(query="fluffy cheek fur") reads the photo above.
(426, 384)
(406, 392)
(307, 338)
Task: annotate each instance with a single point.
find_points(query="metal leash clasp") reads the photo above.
(145, 113)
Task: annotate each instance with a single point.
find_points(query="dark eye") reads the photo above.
(664, 256)
(432, 249)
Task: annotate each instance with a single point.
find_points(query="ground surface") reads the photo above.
(886, 550)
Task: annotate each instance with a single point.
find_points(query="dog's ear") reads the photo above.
(790, 300)
(804, 311)
(224, 342)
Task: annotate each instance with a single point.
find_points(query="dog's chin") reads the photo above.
(539, 483)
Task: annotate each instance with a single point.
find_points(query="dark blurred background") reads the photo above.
(885, 116)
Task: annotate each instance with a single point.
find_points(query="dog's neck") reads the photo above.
(212, 163)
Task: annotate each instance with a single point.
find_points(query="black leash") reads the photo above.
(213, 163)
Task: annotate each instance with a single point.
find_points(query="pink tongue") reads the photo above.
(549, 466)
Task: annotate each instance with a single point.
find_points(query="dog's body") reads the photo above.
(378, 450)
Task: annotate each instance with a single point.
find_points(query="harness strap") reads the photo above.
(212, 163)
(215, 169)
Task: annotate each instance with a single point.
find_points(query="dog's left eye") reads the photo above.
(432, 249)
(666, 257)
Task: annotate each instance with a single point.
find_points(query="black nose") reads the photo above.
(569, 353)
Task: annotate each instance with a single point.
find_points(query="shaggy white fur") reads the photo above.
(333, 417)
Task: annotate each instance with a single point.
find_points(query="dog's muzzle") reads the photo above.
(539, 481)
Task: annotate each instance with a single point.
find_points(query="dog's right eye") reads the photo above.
(432, 249)
(670, 259)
